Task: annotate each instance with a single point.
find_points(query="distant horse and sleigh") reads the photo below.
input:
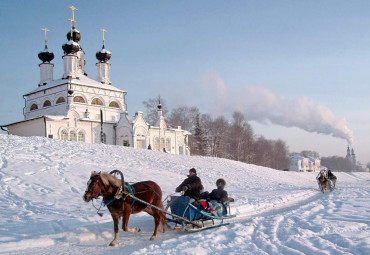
(326, 180)
(123, 199)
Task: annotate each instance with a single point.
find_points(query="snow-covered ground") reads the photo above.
(42, 211)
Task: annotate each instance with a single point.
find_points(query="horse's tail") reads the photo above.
(163, 219)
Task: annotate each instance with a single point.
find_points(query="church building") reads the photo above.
(76, 107)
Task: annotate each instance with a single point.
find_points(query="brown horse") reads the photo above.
(109, 186)
(323, 182)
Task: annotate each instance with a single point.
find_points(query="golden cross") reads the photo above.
(73, 12)
(46, 30)
(72, 24)
(103, 30)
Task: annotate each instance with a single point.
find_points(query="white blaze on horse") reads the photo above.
(322, 180)
(121, 205)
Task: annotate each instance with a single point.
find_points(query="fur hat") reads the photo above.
(221, 183)
(193, 170)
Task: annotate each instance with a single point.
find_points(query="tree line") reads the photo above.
(219, 137)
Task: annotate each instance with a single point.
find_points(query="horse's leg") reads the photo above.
(157, 221)
(150, 212)
(126, 216)
(115, 218)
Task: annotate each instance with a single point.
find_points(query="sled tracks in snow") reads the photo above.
(279, 205)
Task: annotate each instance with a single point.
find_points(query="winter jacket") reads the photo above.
(194, 186)
(331, 176)
(219, 195)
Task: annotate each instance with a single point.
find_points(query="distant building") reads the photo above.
(298, 163)
(76, 107)
(351, 157)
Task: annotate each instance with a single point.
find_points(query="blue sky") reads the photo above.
(208, 54)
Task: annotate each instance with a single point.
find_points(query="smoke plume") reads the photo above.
(262, 105)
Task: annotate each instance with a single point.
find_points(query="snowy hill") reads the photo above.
(42, 182)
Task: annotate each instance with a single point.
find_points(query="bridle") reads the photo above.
(90, 188)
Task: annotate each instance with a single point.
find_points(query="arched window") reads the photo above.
(97, 101)
(34, 107)
(64, 135)
(114, 104)
(72, 136)
(81, 136)
(156, 143)
(168, 144)
(46, 103)
(79, 99)
(60, 100)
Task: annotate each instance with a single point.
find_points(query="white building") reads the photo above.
(76, 107)
(299, 163)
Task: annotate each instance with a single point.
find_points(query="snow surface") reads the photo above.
(42, 182)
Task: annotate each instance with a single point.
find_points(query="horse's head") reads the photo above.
(94, 187)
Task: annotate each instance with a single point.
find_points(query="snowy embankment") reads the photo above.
(42, 182)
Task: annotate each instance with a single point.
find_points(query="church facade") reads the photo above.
(78, 108)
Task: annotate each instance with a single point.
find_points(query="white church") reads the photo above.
(78, 108)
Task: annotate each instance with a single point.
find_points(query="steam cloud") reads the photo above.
(262, 105)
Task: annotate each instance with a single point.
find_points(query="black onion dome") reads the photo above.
(46, 55)
(159, 106)
(76, 36)
(70, 47)
(103, 55)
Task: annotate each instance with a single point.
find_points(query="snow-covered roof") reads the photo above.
(82, 80)
(53, 117)
(296, 157)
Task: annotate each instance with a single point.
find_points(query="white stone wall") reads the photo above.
(40, 97)
(34, 127)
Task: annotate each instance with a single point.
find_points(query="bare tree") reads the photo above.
(312, 154)
(151, 109)
(240, 138)
(184, 116)
(279, 155)
(263, 150)
(337, 163)
(217, 136)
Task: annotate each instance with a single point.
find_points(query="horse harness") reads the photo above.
(122, 194)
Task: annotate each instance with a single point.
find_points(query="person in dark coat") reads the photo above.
(332, 180)
(191, 185)
(220, 194)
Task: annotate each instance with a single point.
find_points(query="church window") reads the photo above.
(34, 107)
(162, 145)
(60, 100)
(156, 144)
(79, 99)
(181, 150)
(114, 104)
(168, 144)
(46, 103)
(97, 101)
(72, 136)
(81, 136)
(64, 135)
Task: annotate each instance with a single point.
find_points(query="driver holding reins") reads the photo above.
(191, 186)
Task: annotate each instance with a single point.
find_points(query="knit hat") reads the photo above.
(221, 183)
(193, 170)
